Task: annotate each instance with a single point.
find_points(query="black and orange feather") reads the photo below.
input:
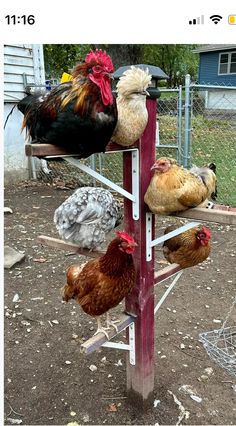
(79, 115)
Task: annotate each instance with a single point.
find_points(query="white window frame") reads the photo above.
(228, 64)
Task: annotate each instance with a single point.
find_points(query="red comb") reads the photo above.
(124, 236)
(102, 58)
(206, 231)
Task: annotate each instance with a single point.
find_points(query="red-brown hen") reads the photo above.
(102, 283)
(189, 248)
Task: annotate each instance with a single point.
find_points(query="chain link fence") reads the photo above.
(213, 123)
(197, 130)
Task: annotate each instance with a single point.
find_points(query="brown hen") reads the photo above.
(174, 188)
(102, 283)
(189, 248)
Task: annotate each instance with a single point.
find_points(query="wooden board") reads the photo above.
(165, 273)
(140, 377)
(48, 150)
(62, 245)
(216, 215)
(95, 342)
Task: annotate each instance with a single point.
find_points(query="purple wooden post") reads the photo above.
(140, 377)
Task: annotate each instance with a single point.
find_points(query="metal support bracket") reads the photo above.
(134, 197)
(152, 243)
(130, 347)
(157, 307)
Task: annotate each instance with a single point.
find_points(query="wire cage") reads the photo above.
(221, 347)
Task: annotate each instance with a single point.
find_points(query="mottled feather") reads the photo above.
(87, 216)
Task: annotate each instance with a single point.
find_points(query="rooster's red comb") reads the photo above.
(124, 236)
(102, 58)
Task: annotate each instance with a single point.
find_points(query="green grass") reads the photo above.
(212, 141)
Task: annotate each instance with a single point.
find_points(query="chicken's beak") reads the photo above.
(145, 93)
(153, 167)
(133, 244)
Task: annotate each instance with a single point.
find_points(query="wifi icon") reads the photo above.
(216, 18)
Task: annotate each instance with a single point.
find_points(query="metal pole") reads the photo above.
(190, 154)
(93, 167)
(187, 121)
(179, 124)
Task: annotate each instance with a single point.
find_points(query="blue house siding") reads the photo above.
(208, 69)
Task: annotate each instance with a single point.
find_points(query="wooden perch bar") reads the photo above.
(96, 341)
(217, 215)
(48, 150)
(62, 245)
(44, 150)
(166, 273)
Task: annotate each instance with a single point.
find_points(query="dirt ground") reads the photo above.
(48, 380)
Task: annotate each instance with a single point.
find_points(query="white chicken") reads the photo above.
(131, 105)
(87, 216)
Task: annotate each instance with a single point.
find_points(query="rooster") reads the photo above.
(87, 216)
(79, 115)
(102, 283)
(174, 188)
(131, 105)
(189, 248)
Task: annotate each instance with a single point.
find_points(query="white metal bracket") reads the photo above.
(152, 243)
(157, 307)
(130, 347)
(134, 197)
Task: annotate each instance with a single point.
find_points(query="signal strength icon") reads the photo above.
(197, 21)
(216, 18)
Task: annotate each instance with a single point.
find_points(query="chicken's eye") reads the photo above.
(97, 68)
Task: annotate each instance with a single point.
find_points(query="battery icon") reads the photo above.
(232, 20)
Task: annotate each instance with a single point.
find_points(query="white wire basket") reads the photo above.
(221, 347)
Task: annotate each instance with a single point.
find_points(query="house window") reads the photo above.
(227, 63)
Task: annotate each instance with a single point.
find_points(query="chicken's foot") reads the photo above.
(100, 328)
(112, 323)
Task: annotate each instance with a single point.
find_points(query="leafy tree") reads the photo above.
(123, 54)
(61, 58)
(176, 60)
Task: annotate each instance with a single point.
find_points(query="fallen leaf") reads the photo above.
(40, 260)
(112, 407)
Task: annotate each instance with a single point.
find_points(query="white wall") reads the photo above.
(18, 60)
(221, 99)
(15, 160)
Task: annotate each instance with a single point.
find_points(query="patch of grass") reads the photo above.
(212, 141)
